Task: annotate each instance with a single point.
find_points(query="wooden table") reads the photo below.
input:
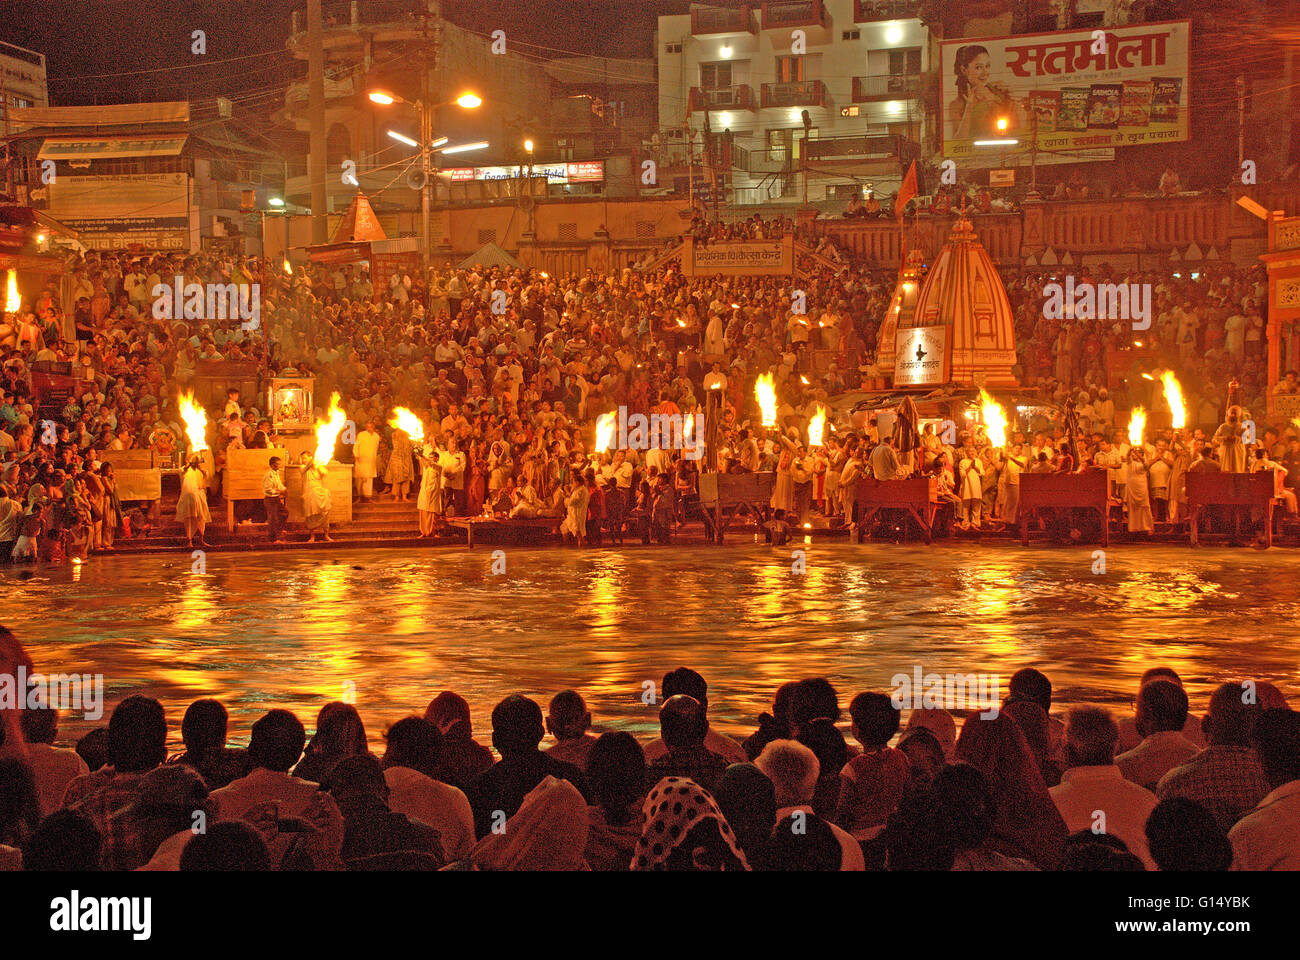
(1236, 490)
(1089, 490)
(516, 524)
(723, 494)
(919, 496)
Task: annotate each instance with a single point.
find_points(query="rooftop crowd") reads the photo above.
(1017, 788)
(508, 391)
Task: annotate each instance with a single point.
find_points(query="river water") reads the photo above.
(393, 629)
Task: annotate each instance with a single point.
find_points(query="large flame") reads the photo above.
(1174, 397)
(327, 431)
(13, 300)
(404, 419)
(1137, 423)
(995, 420)
(765, 390)
(196, 422)
(817, 427)
(605, 424)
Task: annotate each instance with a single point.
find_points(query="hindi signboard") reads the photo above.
(739, 258)
(1081, 90)
(922, 358)
(114, 212)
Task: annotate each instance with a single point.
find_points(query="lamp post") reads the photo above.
(466, 101)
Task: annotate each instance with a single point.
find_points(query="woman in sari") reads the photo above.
(398, 474)
(111, 506)
(192, 507)
(316, 499)
(1027, 823)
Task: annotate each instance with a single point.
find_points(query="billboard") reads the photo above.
(585, 171)
(1079, 91)
(112, 212)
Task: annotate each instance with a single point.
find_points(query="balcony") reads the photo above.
(806, 15)
(347, 25)
(892, 87)
(870, 11)
(854, 149)
(806, 93)
(739, 97)
(717, 21)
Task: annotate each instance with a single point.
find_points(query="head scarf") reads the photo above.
(1028, 822)
(548, 832)
(674, 806)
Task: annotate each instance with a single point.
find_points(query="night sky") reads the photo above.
(145, 44)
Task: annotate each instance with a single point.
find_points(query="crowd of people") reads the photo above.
(1016, 788)
(509, 369)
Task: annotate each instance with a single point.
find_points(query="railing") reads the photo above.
(806, 93)
(739, 97)
(793, 13)
(355, 13)
(867, 11)
(710, 20)
(853, 148)
(866, 89)
(1147, 226)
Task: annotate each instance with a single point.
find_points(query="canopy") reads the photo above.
(489, 255)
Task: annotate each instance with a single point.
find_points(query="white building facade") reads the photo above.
(855, 67)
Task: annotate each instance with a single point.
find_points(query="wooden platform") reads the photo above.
(1234, 491)
(510, 530)
(1089, 490)
(723, 494)
(919, 496)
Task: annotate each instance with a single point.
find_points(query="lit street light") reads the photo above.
(466, 101)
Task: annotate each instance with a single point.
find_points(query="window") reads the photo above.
(673, 48)
(789, 69)
(569, 231)
(905, 63)
(851, 35)
(486, 236)
(715, 76)
(778, 144)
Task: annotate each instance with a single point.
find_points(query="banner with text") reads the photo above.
(1080, 91)
(740, 259)
(112, 212)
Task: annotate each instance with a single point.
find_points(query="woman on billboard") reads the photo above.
(978, 104)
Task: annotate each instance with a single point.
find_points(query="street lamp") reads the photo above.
(466, 101)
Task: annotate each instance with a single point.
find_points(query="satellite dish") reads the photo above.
(416, 179)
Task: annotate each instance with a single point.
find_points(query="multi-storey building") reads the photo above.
(801, 98)
(22, 82)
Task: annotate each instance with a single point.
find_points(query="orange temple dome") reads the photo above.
(964, 293)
